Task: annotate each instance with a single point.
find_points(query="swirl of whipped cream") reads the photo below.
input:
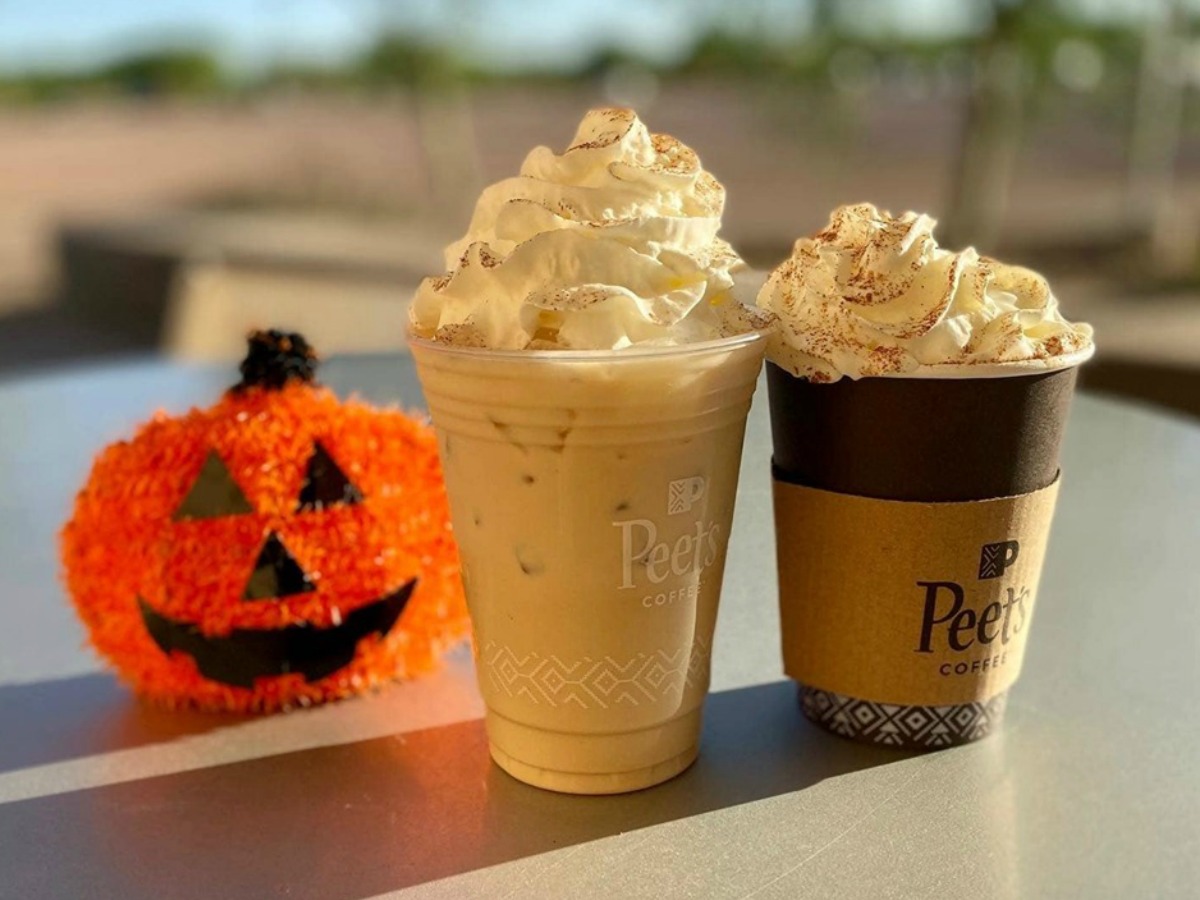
(609, 244)
(873, 294)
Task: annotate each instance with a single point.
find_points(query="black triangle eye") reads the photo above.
(276, 573)
(213, 493)
(325, 483)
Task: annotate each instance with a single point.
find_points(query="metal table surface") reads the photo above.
(1091, 789)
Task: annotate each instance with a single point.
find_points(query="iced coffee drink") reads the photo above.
(919, 399)
(589, 367)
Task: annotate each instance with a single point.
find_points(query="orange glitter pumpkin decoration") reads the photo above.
(278, 549)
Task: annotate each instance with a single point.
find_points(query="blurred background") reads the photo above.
(173, 173)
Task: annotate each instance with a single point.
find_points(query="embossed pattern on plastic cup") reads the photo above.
(592, 495)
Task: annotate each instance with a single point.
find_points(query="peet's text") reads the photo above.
(690, 554)
(949, 621)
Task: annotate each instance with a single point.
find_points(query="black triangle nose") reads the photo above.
(276, 573)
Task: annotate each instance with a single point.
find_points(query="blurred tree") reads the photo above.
(154, 74)
(307, 77)
(1017, 62)
(992, 128)
(1156, 136)
(720, 52)
(164, 72)
(397, 59)
(606, 61)
(439, 85)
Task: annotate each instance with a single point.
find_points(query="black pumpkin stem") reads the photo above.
(276, 358)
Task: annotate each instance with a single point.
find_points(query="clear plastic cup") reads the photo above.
(592, 495)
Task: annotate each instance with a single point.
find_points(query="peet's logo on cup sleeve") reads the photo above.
(995, 558)
(904, 602)
(966, 625)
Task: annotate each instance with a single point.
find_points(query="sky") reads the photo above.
(251, 35)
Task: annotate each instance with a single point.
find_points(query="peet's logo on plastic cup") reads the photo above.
(657, 557)
(683, 494)
(690, 553)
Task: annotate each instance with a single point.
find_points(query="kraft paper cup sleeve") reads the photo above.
(908, 603)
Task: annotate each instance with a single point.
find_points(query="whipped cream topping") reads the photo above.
(873, 294)
(609, 244)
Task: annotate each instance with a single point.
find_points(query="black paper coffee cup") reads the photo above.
(922, 440)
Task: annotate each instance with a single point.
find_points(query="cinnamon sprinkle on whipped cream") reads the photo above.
(873, 294)
(610, 244)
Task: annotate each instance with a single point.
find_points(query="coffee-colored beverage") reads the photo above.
(589, 366)
(592, 496)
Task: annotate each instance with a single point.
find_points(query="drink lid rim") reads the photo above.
(636, 351)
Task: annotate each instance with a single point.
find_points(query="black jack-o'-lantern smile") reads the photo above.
(246, 654)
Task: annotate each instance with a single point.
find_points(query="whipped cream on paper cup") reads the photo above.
(874, 295)
(915, 491)
(610, 244)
